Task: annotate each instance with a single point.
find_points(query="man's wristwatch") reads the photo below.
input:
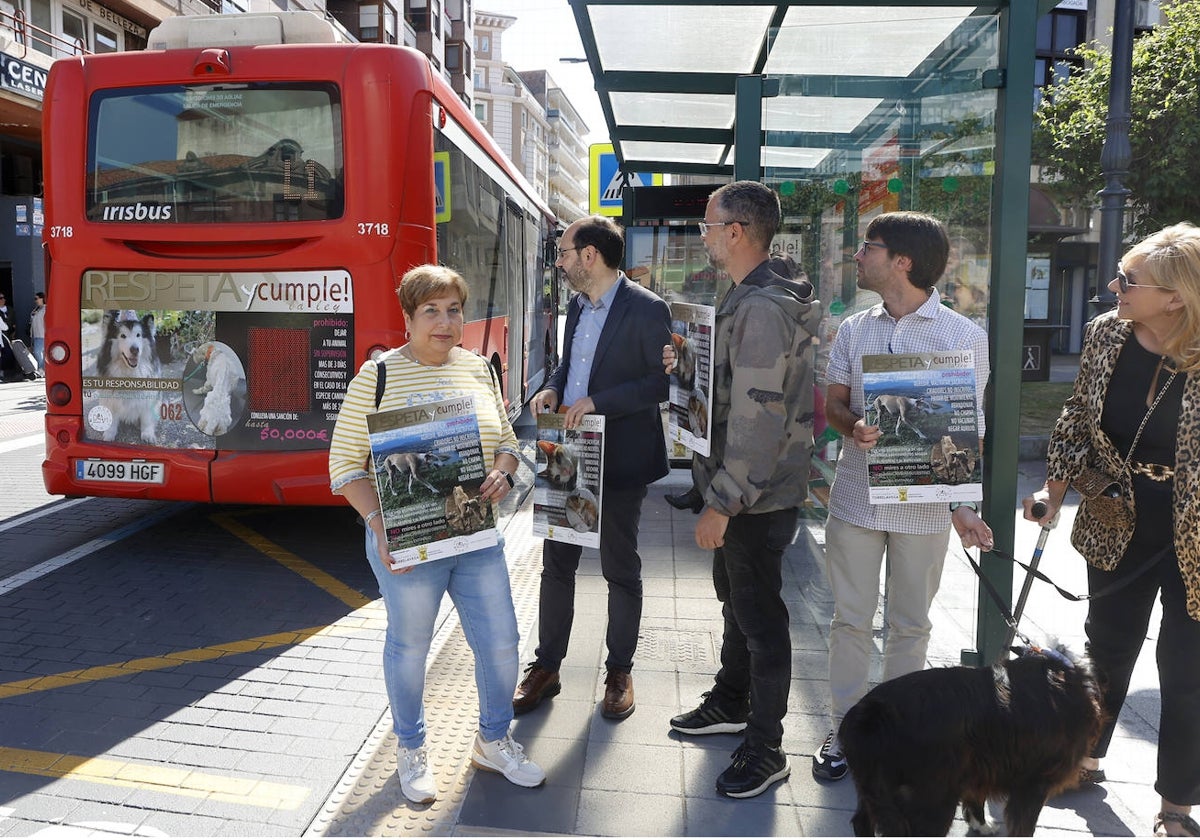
(507, 477)
(956, 505)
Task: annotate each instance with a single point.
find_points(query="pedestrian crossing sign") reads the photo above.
(441, 187)
(606, 180)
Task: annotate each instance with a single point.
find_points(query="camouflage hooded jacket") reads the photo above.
(762, 401)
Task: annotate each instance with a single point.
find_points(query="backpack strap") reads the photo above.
(380, 381)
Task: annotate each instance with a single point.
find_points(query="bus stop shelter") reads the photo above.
(848, 110)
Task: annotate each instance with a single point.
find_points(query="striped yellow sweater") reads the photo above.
(409, 384)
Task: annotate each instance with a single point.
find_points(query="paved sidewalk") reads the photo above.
(637, 777)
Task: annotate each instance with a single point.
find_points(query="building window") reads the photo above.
(104, 40)
(40, 17)
(368, 22)
(1058, 34)
(435, 17)
(454, 57)
(74, 30)
(418, 15)
(480, 78)
(484, 44)
(481, 111)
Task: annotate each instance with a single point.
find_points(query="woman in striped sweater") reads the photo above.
(432, 367)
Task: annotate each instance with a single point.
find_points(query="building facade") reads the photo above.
(568, 153)
(506, 106)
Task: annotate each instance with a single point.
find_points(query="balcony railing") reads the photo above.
(23, 34)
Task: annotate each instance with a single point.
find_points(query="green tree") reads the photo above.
(1164, 132)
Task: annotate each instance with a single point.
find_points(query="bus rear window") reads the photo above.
(215, 153)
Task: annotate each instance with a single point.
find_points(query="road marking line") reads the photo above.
(55, 563)
(50, 510)
(288, 560)
(369, 617)
(180, 781)
(22, 442)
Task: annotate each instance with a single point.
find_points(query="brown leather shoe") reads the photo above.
(537, 685)
(618, 696)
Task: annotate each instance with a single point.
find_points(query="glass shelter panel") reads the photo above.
(916, 134)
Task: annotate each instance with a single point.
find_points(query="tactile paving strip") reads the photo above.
(367, 801)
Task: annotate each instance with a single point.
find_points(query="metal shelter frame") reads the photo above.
(717, 104)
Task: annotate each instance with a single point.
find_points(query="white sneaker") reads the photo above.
(506, 756)
(416, 779)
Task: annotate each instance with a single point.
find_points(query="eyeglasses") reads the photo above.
(562, 251)
(705, 226)
(868, 245)
(1124, 285)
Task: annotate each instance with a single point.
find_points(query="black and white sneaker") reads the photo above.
(829, 762)
(754, 769)
(710, 718)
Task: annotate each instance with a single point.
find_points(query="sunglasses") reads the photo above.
(867, 246)
(1124, 285)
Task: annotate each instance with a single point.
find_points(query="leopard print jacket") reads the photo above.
(1078, 442)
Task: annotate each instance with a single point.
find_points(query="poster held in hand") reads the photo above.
(567, 486)
(428, 462)
(925, 405)
(690, 416)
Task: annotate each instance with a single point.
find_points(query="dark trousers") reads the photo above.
(756, 647)
(1116, 627)
(620, 515)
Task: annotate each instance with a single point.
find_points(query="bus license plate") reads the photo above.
(141, 472)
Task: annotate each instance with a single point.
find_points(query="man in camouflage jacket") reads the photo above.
(754, 480)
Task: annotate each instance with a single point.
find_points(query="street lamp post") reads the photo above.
(1116, 152)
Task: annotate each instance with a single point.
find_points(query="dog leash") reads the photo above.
(1032, 570)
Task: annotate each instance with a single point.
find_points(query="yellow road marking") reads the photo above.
(173, 780)
(281, 555)
(370, 617)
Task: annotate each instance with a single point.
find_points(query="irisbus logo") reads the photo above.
(137, 213)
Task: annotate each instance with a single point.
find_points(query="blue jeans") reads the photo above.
(479, 587)
(39, 351)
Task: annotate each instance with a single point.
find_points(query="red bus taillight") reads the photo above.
(58, 394)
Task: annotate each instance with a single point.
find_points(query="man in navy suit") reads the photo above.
(612, 365)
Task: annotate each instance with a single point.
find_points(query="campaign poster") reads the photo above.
(428, 462)
(225, 360)
(925, 407)
(567, 484)
(689, 420)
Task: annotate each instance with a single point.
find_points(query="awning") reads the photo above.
(666, 74)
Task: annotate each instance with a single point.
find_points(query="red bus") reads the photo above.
(227, 214)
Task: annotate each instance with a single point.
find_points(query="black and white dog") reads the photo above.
(921, 743)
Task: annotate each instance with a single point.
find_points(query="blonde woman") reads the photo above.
(1135, 416)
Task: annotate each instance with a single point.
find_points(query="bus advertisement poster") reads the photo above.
(567, 483)
(428, 462)
(237, 361)
(925, 405)
(690, 415)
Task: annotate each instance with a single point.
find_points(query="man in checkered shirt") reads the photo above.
(902, 257)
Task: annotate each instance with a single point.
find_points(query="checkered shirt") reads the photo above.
(932, 328)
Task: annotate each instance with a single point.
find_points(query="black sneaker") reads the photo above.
(754, 769)
(829, 762)
(709, 718)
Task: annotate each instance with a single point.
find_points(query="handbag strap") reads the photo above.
(1161, 393)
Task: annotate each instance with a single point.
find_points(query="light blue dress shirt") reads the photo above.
(585, 341)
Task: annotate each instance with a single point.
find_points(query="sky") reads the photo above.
(545, 31)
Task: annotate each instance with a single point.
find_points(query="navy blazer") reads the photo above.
(627, 383)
